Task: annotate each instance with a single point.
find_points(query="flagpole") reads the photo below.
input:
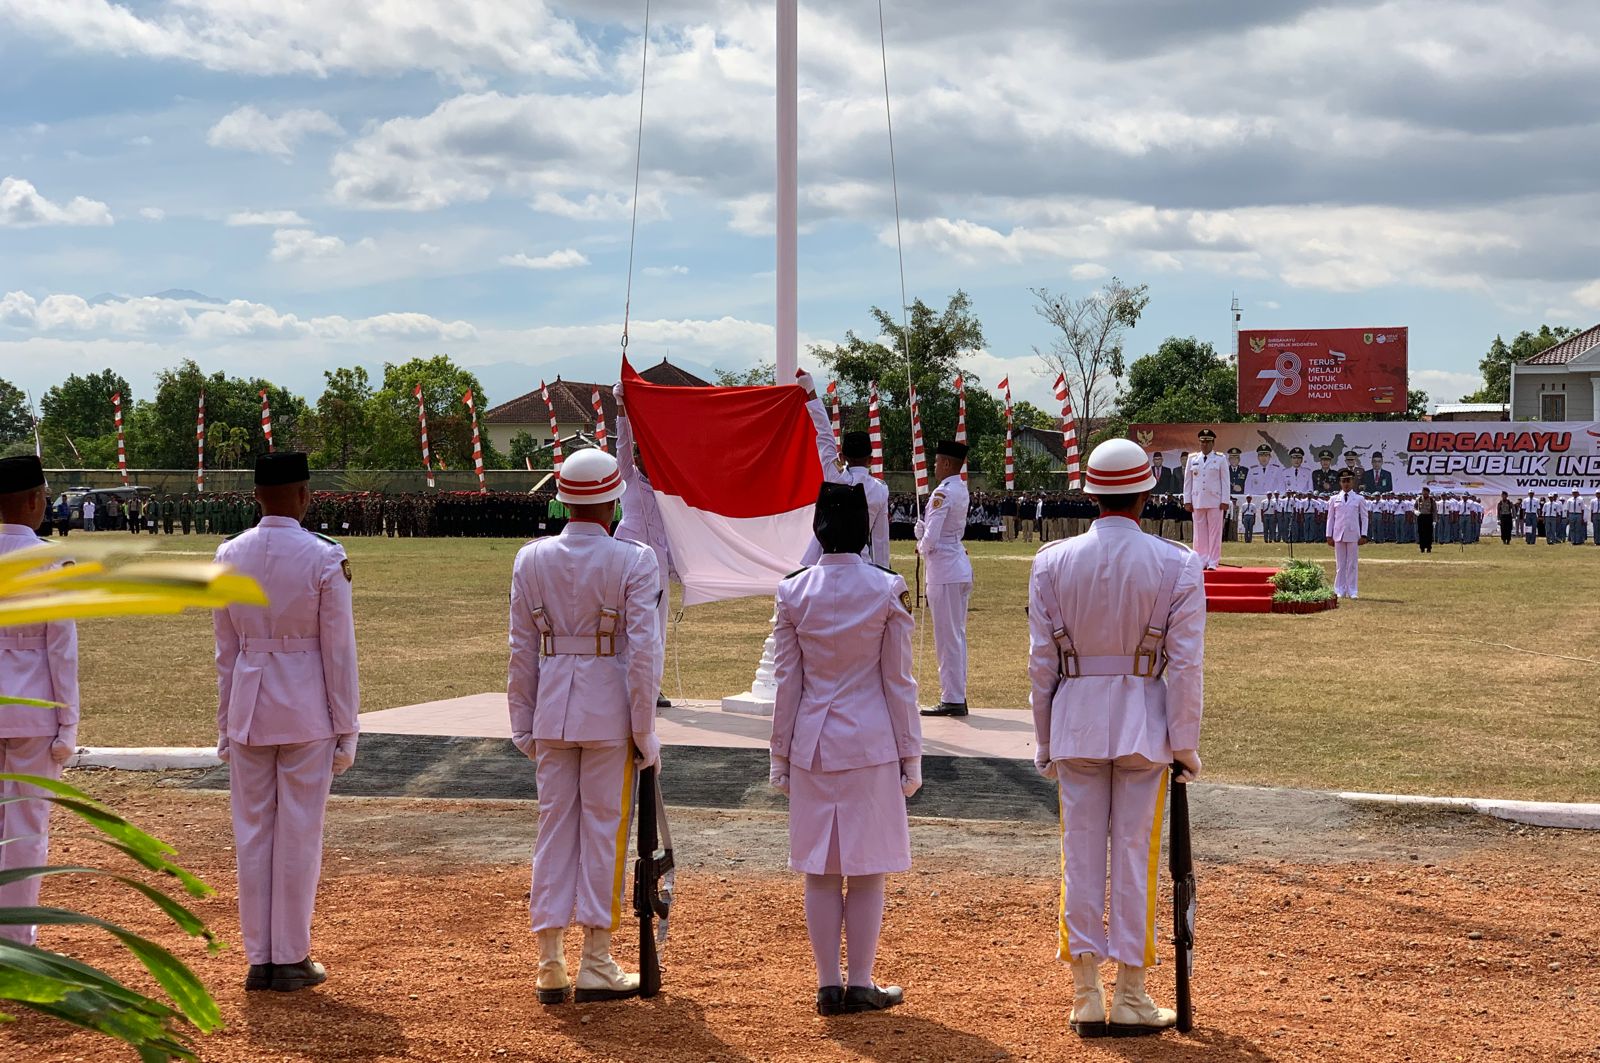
(788, 190)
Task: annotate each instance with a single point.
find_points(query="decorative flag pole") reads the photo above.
(555, 429)
(1011, 460)
(1069, 434)
(122, 449)
(266, 420)
(599, 420)
(833, 403)
(477, 444)
(200, 444)
(422, 419)
(919, 460)
(875, 432)
(961, 419)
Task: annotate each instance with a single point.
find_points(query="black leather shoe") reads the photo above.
(947, 708)
(259, 976)
(663, 702)
(830, 1000)
(291, 977)
(871, 998)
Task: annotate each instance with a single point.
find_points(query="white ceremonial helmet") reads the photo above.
(1119, 467)
(589, 476)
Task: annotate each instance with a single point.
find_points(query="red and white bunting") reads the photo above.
(875, 432)
(919, 460)
(1011, 459)
(200, 444)
(599, 420)
(1069, 435)
(833, 405)
(477, 444)
(266, 420)
(961, 418)
(122, 450)
(422, 419)
(555, 429)
(527, 461)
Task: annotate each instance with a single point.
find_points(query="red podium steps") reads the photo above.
(1240, 590)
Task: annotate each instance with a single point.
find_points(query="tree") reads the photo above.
(343, 418)
(1185, 380)
(16, 422)
(747, 378)
(161, 432)
(1088, 347)
(1496, 364)
(395, 437)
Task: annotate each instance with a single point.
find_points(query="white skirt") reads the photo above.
(849, 822)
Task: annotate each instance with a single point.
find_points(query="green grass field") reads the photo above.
(1461, 673)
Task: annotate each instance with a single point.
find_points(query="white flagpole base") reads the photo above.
(763, 692)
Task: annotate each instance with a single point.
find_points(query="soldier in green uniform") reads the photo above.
(185, 512)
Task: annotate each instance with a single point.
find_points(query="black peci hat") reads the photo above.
(951, 449)
(21, 473)
(284, 467)
(855, 446)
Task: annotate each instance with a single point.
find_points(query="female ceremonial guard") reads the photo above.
(846, 743)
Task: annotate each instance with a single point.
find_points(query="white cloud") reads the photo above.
(292, 244)
(665, 271)
(1445, 386)
(600, 207)
(152, 213)
(567, 258)
(1088, 271)
(1589, 295)
(278, 218)
(250, 129)
(22, 207)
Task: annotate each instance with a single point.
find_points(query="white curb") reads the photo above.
(152, 758)
(1533, 813)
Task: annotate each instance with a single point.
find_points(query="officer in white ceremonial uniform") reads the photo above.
(1116, 621)
(939, 536)
(848, 462)
(585, 659)
(846, 744)
(641, 522)
(38, 661)
(1206, 493)
(1347, 533)
(287, 707)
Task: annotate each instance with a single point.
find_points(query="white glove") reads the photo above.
(523, 740)
(807, 385)
(1043, 764)
(344, 753)
(224, 751)
(1190, 759)
(920, 528)
(910, 775)
(778, 774)
(616, 393)
(649, 747)
(61, 751)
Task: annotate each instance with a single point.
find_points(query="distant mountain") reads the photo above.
(186, 295)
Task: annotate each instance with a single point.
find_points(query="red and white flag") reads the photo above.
(875, 432)
(833, 404)
(477, 444)
(919, 457)
(740, 522)
(122, 450)
(599, 421)
(266, 420)
(555, 429)
(200, 444)
(1069, 434)
(961, 419)
(1011, 460)
(422, 420)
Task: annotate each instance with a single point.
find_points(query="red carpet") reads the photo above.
(1239, 590)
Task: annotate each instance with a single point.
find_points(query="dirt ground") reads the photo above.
(1347, 936)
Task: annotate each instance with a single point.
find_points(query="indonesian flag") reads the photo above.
(735, 474)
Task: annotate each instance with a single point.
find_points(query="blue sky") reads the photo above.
(363, 183)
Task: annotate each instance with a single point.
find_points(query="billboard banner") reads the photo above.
(1393, 456)
(1342, 370)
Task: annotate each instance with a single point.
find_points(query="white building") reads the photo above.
(1559, 384)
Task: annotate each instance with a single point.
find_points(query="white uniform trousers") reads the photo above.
(1120, 802)
(948, 601)
(1345, 558)
(580, 858)
(279, 797)
(26, 821)
(1208, 534)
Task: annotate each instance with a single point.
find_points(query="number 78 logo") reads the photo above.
(1285, 377)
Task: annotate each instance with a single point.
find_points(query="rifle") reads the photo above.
(652, 880)
(1184, 898)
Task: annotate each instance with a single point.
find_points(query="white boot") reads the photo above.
(600, 978)
(553, 981)
(1088, 1018)
(1133, 1013)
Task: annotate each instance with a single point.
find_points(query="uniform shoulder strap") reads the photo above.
(797, 572)
(327, 539)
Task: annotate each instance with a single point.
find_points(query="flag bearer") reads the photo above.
(939, 536)
(641, 522)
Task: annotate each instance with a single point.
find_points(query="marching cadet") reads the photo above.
(1247, 517)
(1347, 533)
(846, 743)
(185, 512)
(1116, 621)
(1505, 512)
(1577, 522)
(169, 512)
(641, 523)
(1206, 494)
(1555, 519)
(939, 536)
(849, 462)
(582, 681)
(1530, 519)
(36, 661)
(286, 718)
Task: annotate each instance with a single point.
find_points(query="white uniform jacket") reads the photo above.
(835, 471)
(1101, 588)
(1205, 481)
(1347, 517)
(573, 694)
(1295, 478)
(944, 526)
(846, 697)
(1264, 479)
(38, 661)
(286, 672)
